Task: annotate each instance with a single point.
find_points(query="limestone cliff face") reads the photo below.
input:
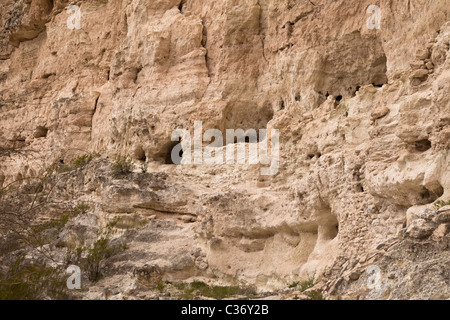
(364, 123)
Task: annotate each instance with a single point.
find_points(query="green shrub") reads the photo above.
(32, 282)
(308, 283)
(440, 204)
(315, 295)
(198, 285)
(79, 162)
(122, 166)
(161, 286)
(199, 288)
(100, 251)
(82, 161)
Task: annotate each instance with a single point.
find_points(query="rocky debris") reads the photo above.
(379, 112)
(420, 74)
(421, 229)
(423, 66)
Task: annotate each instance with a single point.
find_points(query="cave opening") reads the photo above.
(182, 5)
(139, 154)
(422, 145)
(41, 132)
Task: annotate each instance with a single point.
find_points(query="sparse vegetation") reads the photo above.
(101, 250)
(315, 295)
(308, 283)
(200, 289)
(122, 166)
(84, 160)
(81, 208)
(32, 281)
(80, 162)
(440, 204)
(304, 285)
(160, 286)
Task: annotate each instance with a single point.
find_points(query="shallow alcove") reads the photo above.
(182, 6)
(328, 224)
(338, 100)
(428, 196)
(247, 115)
(40, 132)
(422, 145)
(139, 154)
(341, 74)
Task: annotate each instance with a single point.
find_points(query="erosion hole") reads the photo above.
(422, 145)
(139, 154)
(428, 196)
(40, 132)
(328, 224)
(182, 5)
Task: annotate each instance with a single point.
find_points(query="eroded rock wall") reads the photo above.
(363, 116)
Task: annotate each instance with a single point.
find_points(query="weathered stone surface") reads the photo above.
(137, 70)
(420, 74)
(420, 229)
(379, 112)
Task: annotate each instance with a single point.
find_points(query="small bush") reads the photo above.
(161, 286)
(32, 282)
(315, 295)
(199, 288)
(198, 285)
(180, 286)
(100, 251)
(122, 166)
(307, 284)
(440, 204)
(82, 161)
(294, 284)
(81, 208)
